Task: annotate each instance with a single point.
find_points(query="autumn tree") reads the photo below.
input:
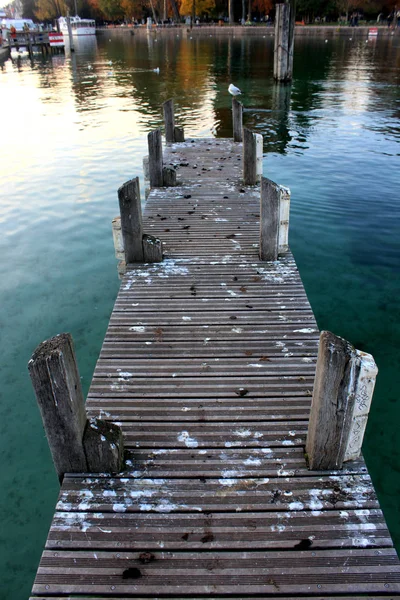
(203, 7)
(111, 9)
(50, 9)
(263, 7)
(28, 9)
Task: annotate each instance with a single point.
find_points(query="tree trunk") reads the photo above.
(231, 13)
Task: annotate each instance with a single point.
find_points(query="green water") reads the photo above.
(73, 129)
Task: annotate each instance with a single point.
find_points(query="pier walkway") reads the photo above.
(208, 366)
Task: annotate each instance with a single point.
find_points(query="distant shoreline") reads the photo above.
(257, 30)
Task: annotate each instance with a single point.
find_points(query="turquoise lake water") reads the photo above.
(74, 129)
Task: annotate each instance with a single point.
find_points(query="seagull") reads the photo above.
(232, 89)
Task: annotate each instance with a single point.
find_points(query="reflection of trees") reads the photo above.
(184, 65)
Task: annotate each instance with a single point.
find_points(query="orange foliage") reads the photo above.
(262, 6)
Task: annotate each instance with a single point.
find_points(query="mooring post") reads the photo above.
(152, 249)
(179, 134)
(169, 120)
(284, 41)
(70, 36)
(55, 379)
(169, 176)
(269, 219)
(131, 220)
(249, 157)
(343, 388)
(237, 120)
(155, 158)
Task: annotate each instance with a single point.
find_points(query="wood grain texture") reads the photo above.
(237, 120)
(131, 220)
(155, 158)
(169, 121)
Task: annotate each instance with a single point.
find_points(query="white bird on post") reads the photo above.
(232, 89)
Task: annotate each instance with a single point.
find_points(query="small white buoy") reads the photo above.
(350, 39)
(89, 67)
(110, 62)
(326, 41)
(110, 73)
(157, 70)
(109, 40)
(232, 89)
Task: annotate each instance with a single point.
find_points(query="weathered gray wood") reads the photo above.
(249, 157)
(284, 38)
(363, 392)
(237, 120)
(155, 158)
(131, 220)
(332, 403)
(169, 176)
(117, 238)
(55, 379)
(269, 219)
(146, 173)
(152, 249)
(179, 134)
(169, 120)
(104, 446)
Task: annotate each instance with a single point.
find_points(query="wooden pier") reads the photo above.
(208, 367)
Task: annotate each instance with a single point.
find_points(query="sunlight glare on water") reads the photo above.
(74, 129)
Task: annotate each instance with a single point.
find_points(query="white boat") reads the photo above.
(78, 26)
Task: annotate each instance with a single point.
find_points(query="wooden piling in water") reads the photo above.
(155, 158)
(55, 379)
(269, 219)
(249, 157)
(172, 133)
(237, 120)
(284, 42)
(131, 220)
(334, 400)
(169, 120)
(74, 447)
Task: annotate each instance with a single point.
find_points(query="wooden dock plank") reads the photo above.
(208, 366)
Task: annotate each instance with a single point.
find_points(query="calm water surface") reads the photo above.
(73, 129)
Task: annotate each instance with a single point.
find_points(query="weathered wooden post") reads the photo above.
(172, 133)
(155, 158)
(70, 36)
(237, 120)
(169, 176)
(269, 219)
(75, 446)
(131, 220)
(152, 249)
(249, 157)
(284, 41)
(343, 388)
(179, 134)
(169, 120)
